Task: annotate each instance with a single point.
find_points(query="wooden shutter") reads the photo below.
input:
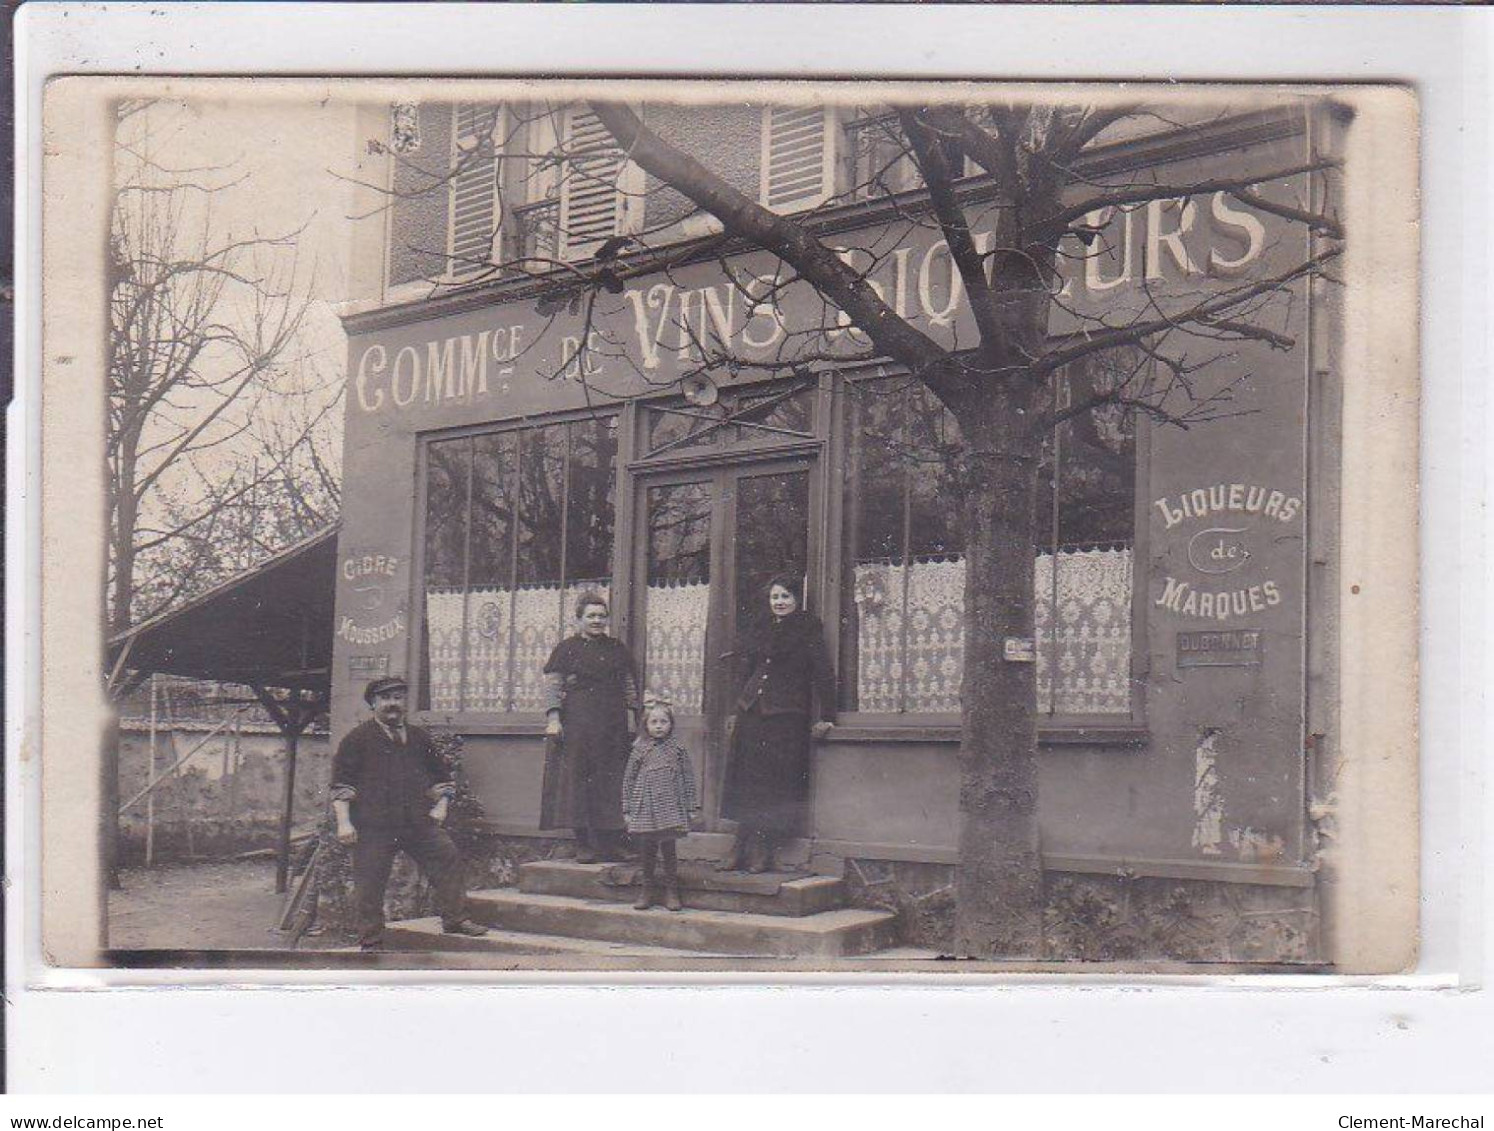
(594, 203)
(798, 157)
(475, 209)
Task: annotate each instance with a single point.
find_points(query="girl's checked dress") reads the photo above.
(659, 787)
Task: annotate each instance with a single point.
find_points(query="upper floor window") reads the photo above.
(876, 157)
(475, 209)
(601, 191)
(533, 184)
(814, 154)
(797, 166)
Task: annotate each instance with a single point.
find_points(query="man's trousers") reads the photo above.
(430, 847)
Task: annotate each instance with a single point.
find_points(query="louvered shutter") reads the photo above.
(593, 200)
(798, 158)
(475, 211)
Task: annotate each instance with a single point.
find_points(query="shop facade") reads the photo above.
(675, 439)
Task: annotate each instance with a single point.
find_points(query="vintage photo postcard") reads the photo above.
(728, 527)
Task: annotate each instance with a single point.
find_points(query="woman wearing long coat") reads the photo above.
(789, 683)
(591, 691)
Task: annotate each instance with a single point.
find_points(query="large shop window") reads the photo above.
(902, 647)
(517, 524)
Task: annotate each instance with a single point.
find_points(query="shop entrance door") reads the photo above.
(710, 539)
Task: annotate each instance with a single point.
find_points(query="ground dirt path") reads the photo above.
(219, 906)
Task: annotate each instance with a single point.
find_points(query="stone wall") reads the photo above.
(225, 800)
(1092, 918)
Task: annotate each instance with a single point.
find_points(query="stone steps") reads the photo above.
(426, 935)
(701, 886)
(518, 950)
(825, 934)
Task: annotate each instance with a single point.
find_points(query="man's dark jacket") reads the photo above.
(388, 784)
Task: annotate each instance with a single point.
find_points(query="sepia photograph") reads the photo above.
(730, 526)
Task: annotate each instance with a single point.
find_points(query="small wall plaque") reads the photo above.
(1221, 648)
(1019, 650)
(368, 667)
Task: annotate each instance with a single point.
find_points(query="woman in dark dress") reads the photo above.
(767, 771)
(591, 696)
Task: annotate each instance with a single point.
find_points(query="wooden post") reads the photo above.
(150, 802)
(287, 717)
(282, 861)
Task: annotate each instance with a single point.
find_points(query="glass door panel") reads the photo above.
(677, 595)
(770, 537)
(711, 539)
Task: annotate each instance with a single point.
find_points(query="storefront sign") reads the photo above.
(660, 327)
(1217, 553)
(350, 630)
(370, 582)
(1230, 648)
(1219, 549)
(1228, 498)
(367, 575)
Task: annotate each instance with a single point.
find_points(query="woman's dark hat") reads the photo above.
(382, 684)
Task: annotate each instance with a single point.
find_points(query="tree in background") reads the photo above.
(221, 442)
(219, 439)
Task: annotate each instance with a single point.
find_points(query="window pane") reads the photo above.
(771, 538)
(682, 429)
(447, 471)
(1084, 611)
(487, 640)
(493, 469)
(878, 161)
(537, 617)
(1097, 459)
(590, 517)
(792, 413)
(1092, 648)
(489, 593)
(541, 499)
(678, 598)
(589, 513)
(929, 451)
(935, 603)
(877, 477)
(446, 511)
(903, 645)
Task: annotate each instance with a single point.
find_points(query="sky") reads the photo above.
(285, 158)
(281, 164)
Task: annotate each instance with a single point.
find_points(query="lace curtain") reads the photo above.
(674, 651)
(1093, 634)
(1092, 645)
(525, 624)
(1093, 642)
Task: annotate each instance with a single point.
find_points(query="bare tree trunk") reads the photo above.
(118, 620)
(998, 884)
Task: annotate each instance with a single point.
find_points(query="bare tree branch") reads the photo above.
(1057, 223)
(1201, 314)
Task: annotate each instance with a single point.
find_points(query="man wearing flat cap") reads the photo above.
(390, 791)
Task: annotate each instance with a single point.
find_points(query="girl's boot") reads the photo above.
(671, 877)
(645, 898)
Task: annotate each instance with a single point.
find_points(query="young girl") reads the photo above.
(659, 800)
